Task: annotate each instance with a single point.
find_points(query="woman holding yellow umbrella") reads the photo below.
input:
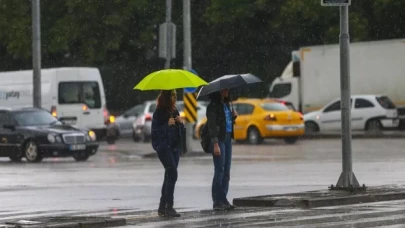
(167, 127)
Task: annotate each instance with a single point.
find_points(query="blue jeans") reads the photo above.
(170, 160)
(222, 164)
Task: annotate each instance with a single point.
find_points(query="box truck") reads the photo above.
(312, 78)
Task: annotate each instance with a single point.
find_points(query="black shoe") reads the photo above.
(161, 210)
(230, 206)
(170, 212)
(220, 207)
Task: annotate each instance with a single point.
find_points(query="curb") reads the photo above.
(317, 200)
(356, 135)
(95, 223)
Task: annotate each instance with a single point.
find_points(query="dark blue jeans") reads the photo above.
(222, 164)
(170, 160)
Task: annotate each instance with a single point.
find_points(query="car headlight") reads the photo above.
(91, 136)
(58, 139)
(51, 138)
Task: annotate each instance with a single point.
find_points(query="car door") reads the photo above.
(331, 117)
(241, 123)
(362, 110)
(9, 138)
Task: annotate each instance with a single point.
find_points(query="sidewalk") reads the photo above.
(325, 198)
(278, 214)
(357, 135)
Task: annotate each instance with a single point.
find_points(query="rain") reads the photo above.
(298, 105)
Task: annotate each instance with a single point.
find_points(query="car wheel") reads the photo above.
(31, 152)
(254, 136)
(144, 138)
(290, 140)
(81, 157)
(311, 127)
(134, 137)
(373, 126)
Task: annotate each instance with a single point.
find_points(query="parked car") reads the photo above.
(368, 112)
(141, 127)
(263, 118)
(36, 134)
(124, 122)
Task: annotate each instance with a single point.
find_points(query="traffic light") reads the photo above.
(155, 41)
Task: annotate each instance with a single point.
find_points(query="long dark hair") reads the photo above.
(216, 97)
(164, 101)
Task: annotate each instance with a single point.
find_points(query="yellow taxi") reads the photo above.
(263, 118)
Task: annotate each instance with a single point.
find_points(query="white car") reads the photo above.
(368, 112)
(201, 109)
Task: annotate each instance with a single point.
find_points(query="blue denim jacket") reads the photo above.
(163, 135)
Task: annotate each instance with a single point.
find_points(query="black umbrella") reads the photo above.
(228, 82)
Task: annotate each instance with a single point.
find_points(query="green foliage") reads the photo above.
(235, 36)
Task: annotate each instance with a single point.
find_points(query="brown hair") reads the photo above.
(164, 100)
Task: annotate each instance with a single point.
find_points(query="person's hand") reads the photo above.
(179, 120)
(217, 150)
(235, 113)
(171, 121)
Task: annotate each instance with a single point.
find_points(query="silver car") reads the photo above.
(141, 126)
(125, 121)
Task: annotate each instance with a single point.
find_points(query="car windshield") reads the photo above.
(386, 102)
(35, 118)
(274, 106)
(290, 106)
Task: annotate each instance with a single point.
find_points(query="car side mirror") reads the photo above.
(9, 126)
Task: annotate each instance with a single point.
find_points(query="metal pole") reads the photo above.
(168, 33)
(187, 62)
(347, 178)
(36, 53)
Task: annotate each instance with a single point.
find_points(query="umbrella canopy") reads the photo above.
(170, 79)
(228, 82)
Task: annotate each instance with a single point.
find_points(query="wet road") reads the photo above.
(119, 179)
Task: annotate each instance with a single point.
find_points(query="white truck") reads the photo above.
(73, 94)
(312, 78)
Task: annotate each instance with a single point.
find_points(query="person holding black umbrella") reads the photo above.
(220, 121)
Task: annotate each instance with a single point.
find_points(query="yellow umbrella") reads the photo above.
(169, 79)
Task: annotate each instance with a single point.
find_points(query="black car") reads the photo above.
(35, 134)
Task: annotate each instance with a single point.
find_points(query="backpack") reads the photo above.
(205, 138)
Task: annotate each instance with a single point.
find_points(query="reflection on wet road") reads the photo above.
(118, 178)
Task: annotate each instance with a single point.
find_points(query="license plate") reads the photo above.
(69, 122)
(78, 147)
(290, 128)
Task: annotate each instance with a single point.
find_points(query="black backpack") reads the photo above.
(205, 139)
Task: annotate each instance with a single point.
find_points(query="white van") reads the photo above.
(73, 94)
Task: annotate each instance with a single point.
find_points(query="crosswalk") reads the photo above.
(383, 214)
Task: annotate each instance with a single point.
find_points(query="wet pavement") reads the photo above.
(119, 181)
